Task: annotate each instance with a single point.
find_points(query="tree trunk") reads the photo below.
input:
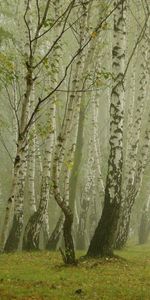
(18, 181)
(133, 191)
(135, 162)
(13, 239)
(40, 219)
(70, 122)
(81, 240)
(102, 243)
(82, 232)
(69, 245)
(55, 236)
(144, 228)
(103, 240)
(77, 159)
(124, 226)
(33, 228)
(80, 136)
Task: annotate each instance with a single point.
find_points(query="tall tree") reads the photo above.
(136, 156)
(17, 194)
(103, 240)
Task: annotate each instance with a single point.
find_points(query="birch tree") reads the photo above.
(85, 202)
(33, 228)
(134, 162)
(71, 121)
(104, 237)
(144, 228)
(17, 193)
(32, 63)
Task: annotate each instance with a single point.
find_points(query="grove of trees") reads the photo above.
(74, 125)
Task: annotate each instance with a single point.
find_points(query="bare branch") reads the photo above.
(38, 12)
(41, 101)
(27, 25)
(58, 38)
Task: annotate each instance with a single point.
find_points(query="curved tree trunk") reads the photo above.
(33, 228)
(40, 219)
(71, 122)
(55, 236)
(103, 240)
(11, 242)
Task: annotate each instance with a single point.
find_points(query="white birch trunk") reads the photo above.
(40, 218)
(95, 142)
(11, 243)
(31, 162)
(144, 228)
(134, 175)
(71, 119)
(82, 236)
(103, 240)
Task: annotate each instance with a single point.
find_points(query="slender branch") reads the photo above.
(38, 12)
(140, 37)
(57, 39)
(41, 101)
(66, 106)
(45, 14)
(27, 25)
(50, 28)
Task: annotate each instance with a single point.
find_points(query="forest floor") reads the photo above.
(42, 276)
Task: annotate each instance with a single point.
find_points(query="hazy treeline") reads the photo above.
(74, 125)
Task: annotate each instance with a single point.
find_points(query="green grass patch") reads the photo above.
(42, 276)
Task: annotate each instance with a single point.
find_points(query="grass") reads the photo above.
(42, 276)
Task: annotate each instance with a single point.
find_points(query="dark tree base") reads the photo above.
(13, 239)
(69, 245)
(102, 243)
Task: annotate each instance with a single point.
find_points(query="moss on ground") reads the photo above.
(42, 276)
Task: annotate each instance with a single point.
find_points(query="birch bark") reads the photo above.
(144, 228)
(70, 122)
(103, 240)
(40, 218)
(135, 163)
(85, 201)
(11, 242)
